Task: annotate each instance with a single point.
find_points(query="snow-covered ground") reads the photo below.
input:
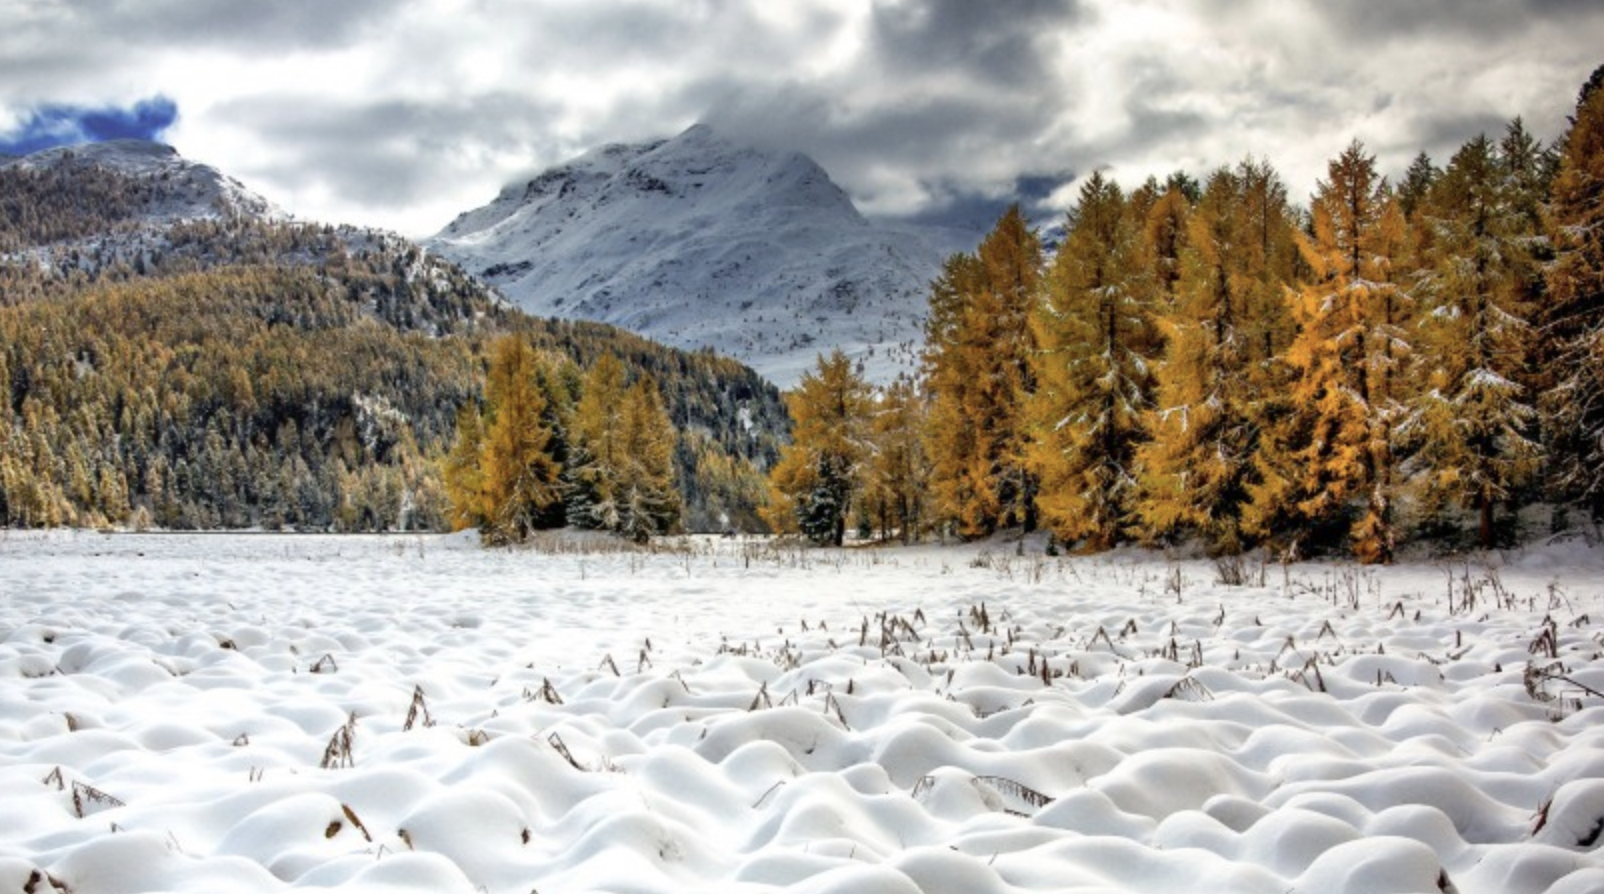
(253, 713)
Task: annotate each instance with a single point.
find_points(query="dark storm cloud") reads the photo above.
(65, 50)
(919, 114)
(958, 206)
(1452, 129)
(53, 125)
(1003, 44)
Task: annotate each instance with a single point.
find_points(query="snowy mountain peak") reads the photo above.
(700, 240)
(182, 189)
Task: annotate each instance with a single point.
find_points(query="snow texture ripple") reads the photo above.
(257, 713)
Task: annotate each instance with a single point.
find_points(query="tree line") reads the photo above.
(551, 446)
(1204, 361)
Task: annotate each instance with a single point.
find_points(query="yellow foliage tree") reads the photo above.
(1328, 465)
(820, 473)
(649, 496)
(977, 369)
(1098, 343)
(1574, 405)
(596, 461)
(1204, 424)
(513, 486)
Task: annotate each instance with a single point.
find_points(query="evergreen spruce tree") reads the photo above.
(898, 468)
(1417, 183)
(1097, 345)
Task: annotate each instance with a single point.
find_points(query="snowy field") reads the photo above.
(258, 713)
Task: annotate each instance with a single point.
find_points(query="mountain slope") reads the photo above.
(173, 354)
(166, 187)
(700, 241)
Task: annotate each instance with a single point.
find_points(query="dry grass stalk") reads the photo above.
(355, 821)
(761, 699)
(1189, 690)
(338, 753)
(556, 742)
(418, 710)
(86, 798)
(833, 705)
(765, 796)
(1014, 789)
(1546, 643)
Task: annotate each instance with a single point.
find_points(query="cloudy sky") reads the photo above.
(402, 114)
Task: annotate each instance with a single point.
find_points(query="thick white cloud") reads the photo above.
(403, 114)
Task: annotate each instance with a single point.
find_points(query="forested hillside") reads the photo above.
(237, 371)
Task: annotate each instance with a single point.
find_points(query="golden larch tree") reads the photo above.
(1328, 464)
(1204, 424)
(977, 371)
(820, 473)
(1573, 406)
(1097, 343)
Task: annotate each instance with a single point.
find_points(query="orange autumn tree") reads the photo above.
(1212, 390)
(1328, 468)
(821, 472)
(501, 475)
(977, 370)
(1097, 343)
(1574, 326)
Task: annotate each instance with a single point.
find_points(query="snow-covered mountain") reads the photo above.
(701, 241)
(178, 189)
(140, 204)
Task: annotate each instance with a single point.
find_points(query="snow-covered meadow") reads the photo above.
(256, 713)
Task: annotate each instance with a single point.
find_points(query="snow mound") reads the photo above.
(222, 713)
